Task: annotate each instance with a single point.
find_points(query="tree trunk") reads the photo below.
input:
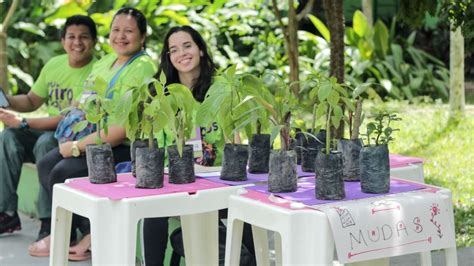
(3, 47)
(3, 62)
(335, 20)
(367, 10)
(292, 47)
(456, 69)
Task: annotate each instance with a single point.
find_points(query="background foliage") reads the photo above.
(244, 33)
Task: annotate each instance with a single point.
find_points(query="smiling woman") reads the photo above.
(127, 67)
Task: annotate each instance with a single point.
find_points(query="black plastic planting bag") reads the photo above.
(259, 153)
(181, 169)
(234, 162)
(329, 182)
(282, 176)
(100, 164)
(310, 145)
(350, 149)
(137, 144)
(150, 167)
(375, 169)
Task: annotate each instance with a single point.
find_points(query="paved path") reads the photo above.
(14, 250)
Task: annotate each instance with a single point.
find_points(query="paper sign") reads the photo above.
(395, 225)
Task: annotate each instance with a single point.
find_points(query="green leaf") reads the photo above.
(79, 126)
(94, 118)
(320, 27)
(333, 99)
(324, 91)
(360, 24)
(381, 39)
(65, 11)
(29, 27)
(182, 20)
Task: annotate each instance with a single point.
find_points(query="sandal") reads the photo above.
(81, 251)
(40, 248)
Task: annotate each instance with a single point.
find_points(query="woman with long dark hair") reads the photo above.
(184, 59)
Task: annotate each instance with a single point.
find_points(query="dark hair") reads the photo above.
(80, 20)
(207, 66)
(138, 16)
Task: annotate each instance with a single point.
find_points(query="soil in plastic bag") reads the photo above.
(375, 169)
(150, 167)
(100, 164)
(234, 162)
(329, 182)
(282, 176)
(181, 169)
(350, 149)
(259, 153)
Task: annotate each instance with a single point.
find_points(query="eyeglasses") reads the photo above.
(175, 50)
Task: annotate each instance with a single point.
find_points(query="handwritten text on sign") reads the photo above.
(390, 226)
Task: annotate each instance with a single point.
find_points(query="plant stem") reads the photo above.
(357, 119)
(328, 131)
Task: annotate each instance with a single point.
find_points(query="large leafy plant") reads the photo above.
(98, 108)
(179, 108)
(274, 95)
(333, 98)
(142, 110)
(226, 103)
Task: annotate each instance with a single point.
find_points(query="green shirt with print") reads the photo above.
(60, 83)
(134, 74)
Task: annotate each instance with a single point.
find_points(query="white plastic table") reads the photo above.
(304, 235)
(114, 223)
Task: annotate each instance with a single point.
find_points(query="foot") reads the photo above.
(81, 251)
(9, 224)
(40, 248)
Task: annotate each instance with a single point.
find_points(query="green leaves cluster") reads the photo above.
(332, 98)
(98, 108)
(227, 103)
(141, 110)
(380, 130)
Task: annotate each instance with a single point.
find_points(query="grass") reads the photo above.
(447, 146)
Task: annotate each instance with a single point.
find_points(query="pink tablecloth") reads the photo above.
(125, 187)
(401, 161)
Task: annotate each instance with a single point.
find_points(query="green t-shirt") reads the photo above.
(60, 83)
(134, 74)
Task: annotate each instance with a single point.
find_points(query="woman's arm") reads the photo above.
(115, 137)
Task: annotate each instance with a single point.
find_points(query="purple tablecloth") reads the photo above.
(306, 190)
(251, 178)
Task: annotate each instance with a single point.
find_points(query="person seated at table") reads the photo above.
(29, 139)
(127, 67)
(184, 59)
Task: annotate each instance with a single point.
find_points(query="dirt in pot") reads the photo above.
(150, 167)
(100, 164)
(234, 162)
(181, 169)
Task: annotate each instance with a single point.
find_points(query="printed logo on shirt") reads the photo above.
(59, 98)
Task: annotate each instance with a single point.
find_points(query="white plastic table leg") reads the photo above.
(61, 221)
(233, 240)
(303, 234)
(278, 259)
(200, 238)
(108, 247)
(425, 258)
(260, 240)
(377, 262)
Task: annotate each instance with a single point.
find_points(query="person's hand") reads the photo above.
(9, 118)
(65, 149)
